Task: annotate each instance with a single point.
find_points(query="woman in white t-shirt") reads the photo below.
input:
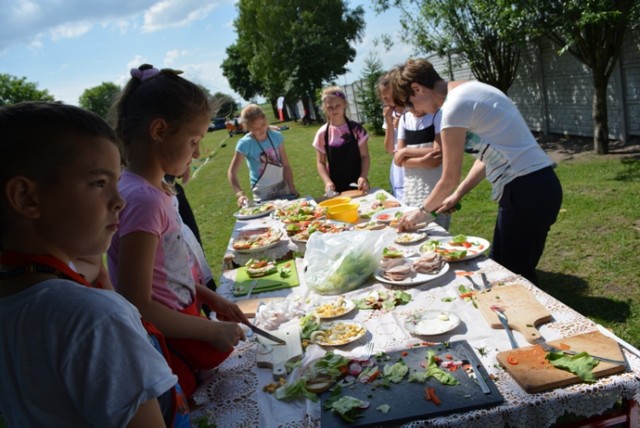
(479, 119)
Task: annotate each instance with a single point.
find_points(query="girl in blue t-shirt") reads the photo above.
(263, 149)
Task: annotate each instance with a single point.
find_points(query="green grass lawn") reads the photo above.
(591, 258)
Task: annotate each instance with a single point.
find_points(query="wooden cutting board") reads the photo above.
(534, 373)
(249, 306)
(520, 306)
(353, 193)
(274, 356)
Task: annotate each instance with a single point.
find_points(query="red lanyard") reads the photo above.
(29, 263)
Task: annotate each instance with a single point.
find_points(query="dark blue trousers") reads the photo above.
(527, 209)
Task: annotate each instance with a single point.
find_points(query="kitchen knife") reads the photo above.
(550, 348)
(263, 333)
(465, 356)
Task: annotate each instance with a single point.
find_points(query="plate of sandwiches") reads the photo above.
(256, 240)
(396, 269)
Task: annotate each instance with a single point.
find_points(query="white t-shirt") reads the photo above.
(73, 356)
(496, 133)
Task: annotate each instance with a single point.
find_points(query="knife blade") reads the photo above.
(465, 356)
(551, 348)
(263, 333)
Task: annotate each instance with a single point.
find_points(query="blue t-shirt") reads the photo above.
(253, 151)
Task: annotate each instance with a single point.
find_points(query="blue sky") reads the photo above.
(67, 46)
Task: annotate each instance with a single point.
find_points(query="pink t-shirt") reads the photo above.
(149, 209)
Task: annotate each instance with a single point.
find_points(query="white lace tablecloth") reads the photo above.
(232, 394)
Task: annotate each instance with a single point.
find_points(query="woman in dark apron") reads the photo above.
(342, 154)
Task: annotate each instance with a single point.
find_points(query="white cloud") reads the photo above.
(70, 30)
(175, 13)
(171, 56)
(22, 21)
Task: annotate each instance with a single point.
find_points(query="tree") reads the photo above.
(223, 105)
(16, 89)
(291, 48)
(369, 99)
(486, 34)
(99, 98)
(236, 70)
(593, 32)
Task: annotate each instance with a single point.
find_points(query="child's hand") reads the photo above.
(242, 200)
(226, 310)
(363, 184)
(226, 335)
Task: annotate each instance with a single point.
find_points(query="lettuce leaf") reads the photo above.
(580, 364)
(395, 372)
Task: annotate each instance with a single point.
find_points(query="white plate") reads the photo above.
(479, 247)
(415, 279)
(408, 238)
(254, 215)
(330, 326)
(431, 322)
(258, 249)
(275, 232)
(345, 305)
(337, 223)
(386, 216)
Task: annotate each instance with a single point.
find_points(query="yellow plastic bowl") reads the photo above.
(344, 212)
(340, 200)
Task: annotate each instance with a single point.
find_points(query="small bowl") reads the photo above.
(347, 213)
(340, 200)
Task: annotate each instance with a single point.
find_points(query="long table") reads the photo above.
(232, 394)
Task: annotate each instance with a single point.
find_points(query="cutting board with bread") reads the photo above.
(530, 369)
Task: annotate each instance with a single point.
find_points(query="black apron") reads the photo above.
(426, 135)
(345, 163)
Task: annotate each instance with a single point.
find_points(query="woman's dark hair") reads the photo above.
(153, 94)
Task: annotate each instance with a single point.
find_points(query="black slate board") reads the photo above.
(406, 400)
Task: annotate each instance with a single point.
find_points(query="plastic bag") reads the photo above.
(341, 262)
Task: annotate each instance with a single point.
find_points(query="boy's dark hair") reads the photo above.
(413, 71)
(38, 139)
(160, 94)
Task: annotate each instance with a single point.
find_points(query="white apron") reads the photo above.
(270, 184)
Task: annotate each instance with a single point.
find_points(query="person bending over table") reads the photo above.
(263, 149)
(480, 119)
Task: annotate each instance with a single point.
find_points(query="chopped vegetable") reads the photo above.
(384, 408)
(347, 407)
(580, 364)
(512, 360)
(395, 372)
(430, 395)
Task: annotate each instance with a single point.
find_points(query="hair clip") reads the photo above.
(145, 74)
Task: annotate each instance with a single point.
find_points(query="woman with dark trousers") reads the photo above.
(480, 119)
